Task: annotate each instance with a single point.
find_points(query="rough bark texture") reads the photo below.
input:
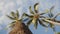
(20, 28)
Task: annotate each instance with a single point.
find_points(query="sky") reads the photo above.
(6, 6)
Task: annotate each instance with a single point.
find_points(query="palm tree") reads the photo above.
(17, 26)
(52, 17)
(35, 16)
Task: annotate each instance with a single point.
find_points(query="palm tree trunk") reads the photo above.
(20, 28)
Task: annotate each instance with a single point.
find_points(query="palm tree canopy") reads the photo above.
(52, 17)
(15, 17)
(34, 16)
(18, 27)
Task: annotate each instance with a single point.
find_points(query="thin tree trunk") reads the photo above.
(20, 28)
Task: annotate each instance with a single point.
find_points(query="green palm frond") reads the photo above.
(12, 24)
(35, 24)
(52, 26)
(56, 16)
(29, 22)
(34, 20)
(50, 14)
(13, 14)
(36, 7)
(52, 18)
(11, 17)
(35, 16)
(52, 8)
(41, 23)
(31, 10)
(42, 13)
(27, 15)
(17, 13)
(25, 19)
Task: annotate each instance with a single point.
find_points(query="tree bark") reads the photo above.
(20, 28)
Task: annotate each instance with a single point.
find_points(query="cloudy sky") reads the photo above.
(6, 6)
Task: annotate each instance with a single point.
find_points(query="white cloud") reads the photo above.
(10, 5)
(1, 5)
(6, 6)
(19, 2)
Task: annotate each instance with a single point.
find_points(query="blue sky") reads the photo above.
(6, 6)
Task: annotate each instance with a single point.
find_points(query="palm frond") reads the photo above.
(41, 23)
(34, 20)
(50, 15)
(56, 16)
(42, 13)
(36, 7)
(31, 10)
(13, 14)
(54, 29)
(52, 8)
(11, 17)
(27, 15)
(52, 26)
(35, 24)
(29, 22)
(17, 13)
(45, 21)
(12, 24)
(25, 19)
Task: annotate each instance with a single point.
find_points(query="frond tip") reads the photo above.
(12, 14)
(17, 13)
(29, 22)
(10, 17)
(52, 8)
(31, 10)
(36, 7)
(41, 23)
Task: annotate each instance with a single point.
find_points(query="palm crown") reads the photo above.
(35, 16)
(52, 18)
(14, 17)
